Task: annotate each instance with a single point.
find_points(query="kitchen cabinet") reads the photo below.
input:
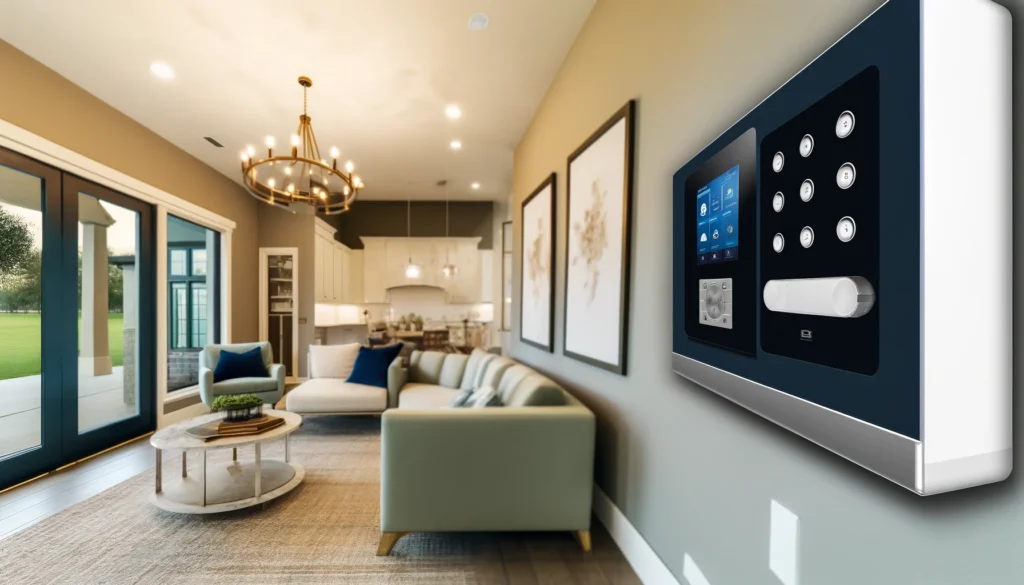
(384, 261)
(331, 268)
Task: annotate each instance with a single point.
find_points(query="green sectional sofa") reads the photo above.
(525, 466)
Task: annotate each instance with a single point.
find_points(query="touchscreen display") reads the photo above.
(718, 216)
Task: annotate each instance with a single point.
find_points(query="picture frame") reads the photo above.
(598, 228)
(537, 270)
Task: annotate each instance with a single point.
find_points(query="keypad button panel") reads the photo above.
(835, 221)
(716, 302)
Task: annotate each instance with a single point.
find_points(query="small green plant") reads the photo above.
(236, 402)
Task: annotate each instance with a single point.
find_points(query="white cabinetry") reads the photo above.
(332, 272)
(384, 262)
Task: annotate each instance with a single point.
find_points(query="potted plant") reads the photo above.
(417, 323)
(239, 407)
(403, 323)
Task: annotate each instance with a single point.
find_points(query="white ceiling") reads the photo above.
(383, 72)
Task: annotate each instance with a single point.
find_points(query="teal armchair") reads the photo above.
(270, 389)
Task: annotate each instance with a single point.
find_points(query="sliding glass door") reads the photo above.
(77, 320)
(111, 394)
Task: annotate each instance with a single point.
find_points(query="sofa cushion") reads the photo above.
(332, 361)
(247, 364)
(372, 365)
(478, 379)
(425, 367)
(537, 390)
(416, 396)
(511, 379)
(494, 370)
(452, 370)
(244, 386)
(331, 395)
(469, 376)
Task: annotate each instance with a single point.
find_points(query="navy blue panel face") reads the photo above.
(824, 203)
(877, 379)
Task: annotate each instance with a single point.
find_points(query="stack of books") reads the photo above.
(223, 428)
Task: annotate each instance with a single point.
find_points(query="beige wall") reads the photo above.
(284, 229)
(39, 100)
(692, 472)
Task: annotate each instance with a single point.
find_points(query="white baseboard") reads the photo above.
(638, 553)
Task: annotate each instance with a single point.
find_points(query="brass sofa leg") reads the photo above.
(388, 540)
(583, 537)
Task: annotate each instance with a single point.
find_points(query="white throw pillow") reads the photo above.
(483, 397)
(332, 361)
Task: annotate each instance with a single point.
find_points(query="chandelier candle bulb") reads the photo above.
(350, 166)
(270, 142)
(334, 152)
(252, 151)
(295, 140)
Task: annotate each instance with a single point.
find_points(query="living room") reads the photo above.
(405, 292)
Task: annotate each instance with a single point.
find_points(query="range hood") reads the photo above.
(413, 287)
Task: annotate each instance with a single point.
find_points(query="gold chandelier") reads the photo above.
(301, 176)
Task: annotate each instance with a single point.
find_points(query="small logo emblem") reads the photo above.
(806, 335)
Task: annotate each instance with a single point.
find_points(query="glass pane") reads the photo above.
(198, 262)
(179, 262)
(108, 295)
(179, 315)
(21, 247)
(198, 315)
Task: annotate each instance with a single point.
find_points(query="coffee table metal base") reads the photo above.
(224, 487)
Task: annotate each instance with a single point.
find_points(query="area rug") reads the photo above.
(325, 531)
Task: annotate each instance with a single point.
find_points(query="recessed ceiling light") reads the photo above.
(453, 111)
(478, 21)
(456, 145)
(161, 70)
(475, 186)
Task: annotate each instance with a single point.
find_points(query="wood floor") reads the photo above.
(525, 558)
(29, 503)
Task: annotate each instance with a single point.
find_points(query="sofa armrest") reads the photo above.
(487, 469)
(277, 371)
(397, 377)
(206, 386)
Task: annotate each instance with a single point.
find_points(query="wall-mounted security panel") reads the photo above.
(842, 255)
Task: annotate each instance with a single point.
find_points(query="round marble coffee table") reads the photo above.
(228, 487)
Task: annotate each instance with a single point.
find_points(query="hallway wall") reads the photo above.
(695, 474)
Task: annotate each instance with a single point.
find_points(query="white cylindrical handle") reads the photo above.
(846, 296)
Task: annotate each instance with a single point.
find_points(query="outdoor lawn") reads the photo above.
(20, 339)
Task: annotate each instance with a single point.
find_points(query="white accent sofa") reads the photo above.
(326, 391)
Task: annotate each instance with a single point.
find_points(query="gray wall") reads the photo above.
(283, 229)
(467, 219)
(692, 472)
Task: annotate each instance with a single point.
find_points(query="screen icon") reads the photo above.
(703, 209)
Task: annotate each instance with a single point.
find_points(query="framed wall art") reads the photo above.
(599, 197)
(537, 249)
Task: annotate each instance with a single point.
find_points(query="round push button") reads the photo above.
(806, 237)
(807, 190)
(845, 123)
(778, 242)
(806, 145)
(778, 161)
(846, 229)
(846, 175)
(778, 201)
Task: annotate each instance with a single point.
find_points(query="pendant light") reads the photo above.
(449, 269)
(412, 270)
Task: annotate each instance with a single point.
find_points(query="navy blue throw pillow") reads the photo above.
(371, 367)
(231, 365)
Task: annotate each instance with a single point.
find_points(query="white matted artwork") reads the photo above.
(599, 195)
(537, 296)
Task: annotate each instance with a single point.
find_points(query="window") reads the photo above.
(192, 304)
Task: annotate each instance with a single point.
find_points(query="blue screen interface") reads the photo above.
(718, 218)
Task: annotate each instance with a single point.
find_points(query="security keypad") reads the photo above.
(716, 302)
